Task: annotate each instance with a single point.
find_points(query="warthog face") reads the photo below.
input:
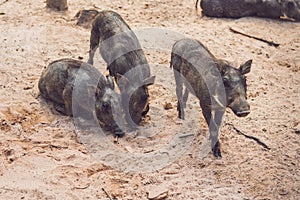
(135, 98)
(235, 87)
(291, 8)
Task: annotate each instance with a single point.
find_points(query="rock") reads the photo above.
(168, 106)
(59, 5)
(297, 129)
(158, 193)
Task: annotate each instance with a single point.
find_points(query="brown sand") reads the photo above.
(41, 156)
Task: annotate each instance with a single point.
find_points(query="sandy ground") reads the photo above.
(42, 155)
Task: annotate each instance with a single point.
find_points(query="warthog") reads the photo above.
(213, 81)
(59, 80)
(125, 60)
(242, 8)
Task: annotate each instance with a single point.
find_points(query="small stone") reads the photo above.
(297, 128)
(59, 5)
(168, 106)
(283, 192)
(158, 193)
(129, 149)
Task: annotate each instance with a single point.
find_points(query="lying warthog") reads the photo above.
(242, 8)
(213, 81)
(126, 61)
(59, 80)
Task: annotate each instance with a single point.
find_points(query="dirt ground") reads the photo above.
(42, 155)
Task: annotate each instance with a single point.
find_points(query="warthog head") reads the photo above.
(235, 87)
(135, 98)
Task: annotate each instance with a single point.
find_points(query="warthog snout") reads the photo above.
(243, 113)
(105, 105)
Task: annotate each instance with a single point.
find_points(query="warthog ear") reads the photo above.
(110, 82)
(122, 81)
(290, 5)
(246, 67)
(149, 81)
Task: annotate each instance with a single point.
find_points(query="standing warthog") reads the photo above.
(213, 81)
(242, 8)
(125, 60)
(59, 80)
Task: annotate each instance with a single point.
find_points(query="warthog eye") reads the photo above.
(290, 5)
(226, 81)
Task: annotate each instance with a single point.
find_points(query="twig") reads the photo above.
(3, 2)
(186, 135)
(271, 43)
(57, 146)
(83, 187)
(107, 195)
(96, 6)
(249, 136)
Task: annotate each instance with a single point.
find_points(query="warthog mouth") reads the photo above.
(242, 113)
